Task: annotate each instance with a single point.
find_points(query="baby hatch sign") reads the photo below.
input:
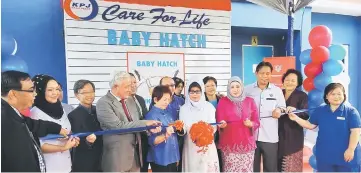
(174, 38)
(149, 68)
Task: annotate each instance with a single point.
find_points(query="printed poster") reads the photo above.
(150, 67)
(280, 67)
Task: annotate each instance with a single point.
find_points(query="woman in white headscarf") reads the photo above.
(196, 109)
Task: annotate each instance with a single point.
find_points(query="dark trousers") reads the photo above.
(145, 147)
(219, 152)
(337, 168)
(268, 151)
(280, 164)
(159, 168)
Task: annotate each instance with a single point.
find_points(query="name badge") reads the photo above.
(341, 118)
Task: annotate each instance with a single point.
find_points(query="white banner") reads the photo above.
(101, 36)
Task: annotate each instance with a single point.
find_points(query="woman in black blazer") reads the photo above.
(86, 157)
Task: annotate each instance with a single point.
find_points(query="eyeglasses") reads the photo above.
(87, 93)
(28, 91)
(195, 92)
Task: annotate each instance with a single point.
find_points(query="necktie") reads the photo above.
(137, 136)
(126, 111)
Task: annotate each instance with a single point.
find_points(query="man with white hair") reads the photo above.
(121, 153)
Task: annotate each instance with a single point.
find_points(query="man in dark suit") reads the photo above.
(20, 151)
(123, 152)
(142, 111)
(87, 156)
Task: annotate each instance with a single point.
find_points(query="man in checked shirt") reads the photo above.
(271, 103)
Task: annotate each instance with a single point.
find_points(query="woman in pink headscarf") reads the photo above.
(236, 140)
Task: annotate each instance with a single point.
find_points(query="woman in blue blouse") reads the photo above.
(163, 154)
(338, 147)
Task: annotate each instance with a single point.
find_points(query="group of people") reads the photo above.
(256, 125)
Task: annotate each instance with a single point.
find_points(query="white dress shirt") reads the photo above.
(59, 161)
(116, 96)
(139, 107)
(266, 100)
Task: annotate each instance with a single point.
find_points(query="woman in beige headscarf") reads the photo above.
(236, 139)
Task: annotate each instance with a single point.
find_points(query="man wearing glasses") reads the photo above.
(87, 156)
(20, 151)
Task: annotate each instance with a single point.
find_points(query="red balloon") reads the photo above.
(313, 69)
(308, 84)
(320, 54)
(320, 36)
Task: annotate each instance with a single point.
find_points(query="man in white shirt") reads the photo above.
(270, 102)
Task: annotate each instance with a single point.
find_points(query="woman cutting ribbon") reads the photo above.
(291, 136)
(236, 141)
(163, 154)
(339, 124)
(196, 109)
(48, 107)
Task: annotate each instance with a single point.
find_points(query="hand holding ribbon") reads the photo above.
(178, 125)
(154, 124)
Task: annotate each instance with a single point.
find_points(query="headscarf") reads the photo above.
(242, 96)
(192, 112)
(237, 101)
(190, 103)
(54, 110)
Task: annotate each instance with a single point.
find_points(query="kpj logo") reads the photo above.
(70, 5)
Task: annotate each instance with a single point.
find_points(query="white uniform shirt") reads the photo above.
(266, 100)
(59, 161)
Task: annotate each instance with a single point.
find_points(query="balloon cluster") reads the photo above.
(9, 61)
(178, 125)
(312, 161)
(323, 64)
(201, 134)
